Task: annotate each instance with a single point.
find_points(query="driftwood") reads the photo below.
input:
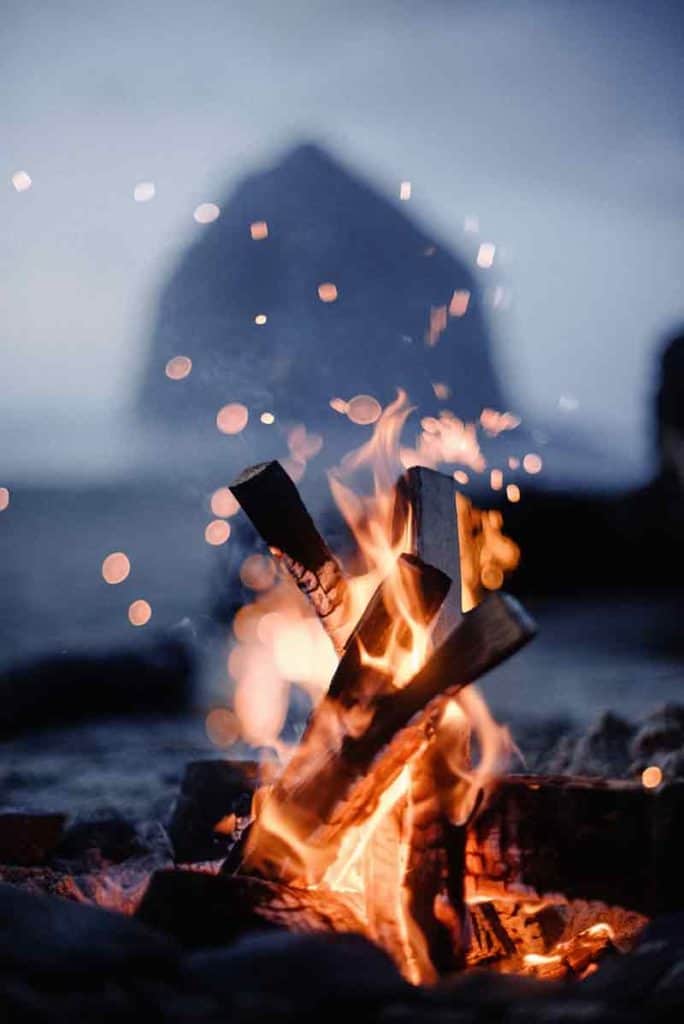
(585, 838)
(273, 504)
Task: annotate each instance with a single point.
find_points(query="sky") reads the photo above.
(558, 124)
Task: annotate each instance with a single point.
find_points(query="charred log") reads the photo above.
(273, 504)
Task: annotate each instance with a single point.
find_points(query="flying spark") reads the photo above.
(405, 191)
(268, 418)
(139, 613)
(327, 291)
(232, 418)
(205, 213)
(178, 368)
(258, 230)
(116, 568)
(485, 255)
(217, 532)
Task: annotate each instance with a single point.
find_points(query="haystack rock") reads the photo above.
(324, 225)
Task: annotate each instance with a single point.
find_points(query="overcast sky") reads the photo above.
(559, 124)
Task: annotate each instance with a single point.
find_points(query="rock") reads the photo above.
(337, 974)
(660, 733)
(48, 937)
(604, 749)
(28, 838)
(215, 799)
(93, 844)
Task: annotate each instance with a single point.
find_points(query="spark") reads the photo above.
(4, 498)
(442, 391)
(532, 463)
(258, 230)
(144, 191)
(496, 479)
(405, 191)
(21, 181)
(267, 418)
(205, 213)
(327, 291)
(458, 305)
(139, 613)
(339, 405)
(651, 777)
(116, 567)
(260, 319)
(178, 368)
(485, 255)
(438, 323)
(460, 476)
(513, 492)
(232, 418)
(217, 532)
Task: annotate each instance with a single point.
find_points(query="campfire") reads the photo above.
(381, 821)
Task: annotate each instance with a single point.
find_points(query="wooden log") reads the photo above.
(213, 793)
(426, 500)
(592, 839)
(201, 910)
(273, 504)
(301, 821)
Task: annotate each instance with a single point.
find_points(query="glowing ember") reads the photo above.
(258, 230)
(513, 492)
(267, 418)
(405, 190)
(232, 418)
(651, 777)
(458, 306)
(485, 255)
(327, 291)
(4, 498)
(144, 191)
(460, 477)
(363, 409)
(178, 368)
(21, 181)
(223, 504)
(116, 567)
(222, 728)
(260, 319)
(532, 463)
(496, 479)
(217, 532)
(206, 213)
(442, 391)
(139, 613)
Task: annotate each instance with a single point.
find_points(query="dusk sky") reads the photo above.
(559, 125)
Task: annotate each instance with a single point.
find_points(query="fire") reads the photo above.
(280, 644)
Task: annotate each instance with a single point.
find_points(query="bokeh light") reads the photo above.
(651, 777)
(492, 577)
(258, 230)
(258, 572)
(224, 503)
(139, 613)
(144, 191)
(363, 409)
(267, 418)
(442, 391)
(460, 476)
(116, 567)
(217, 532)
(458, 305)
(222, 727)
(513, 463)
(405, 191)
(232, 418)
(21, 181)
(4, 498)
(339, 405)
(178, 368)
(260, 319)
(496, 479)
(327, 291)
(532, 463)
(205, 213)
(485, 255)
(513, 492)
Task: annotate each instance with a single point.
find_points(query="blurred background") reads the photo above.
(219, 217)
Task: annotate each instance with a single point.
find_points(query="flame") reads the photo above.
(280, 644)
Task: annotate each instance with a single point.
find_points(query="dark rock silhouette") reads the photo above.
(324, 225)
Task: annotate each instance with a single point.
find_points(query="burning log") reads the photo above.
(274, 506)
(318, 798)
(586, 838)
